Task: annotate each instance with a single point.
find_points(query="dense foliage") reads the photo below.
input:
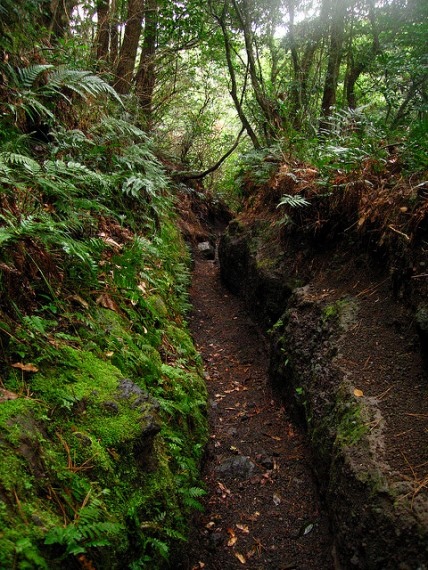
(102, 402)
(93, 274)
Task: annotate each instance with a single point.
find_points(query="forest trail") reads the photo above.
(262, 510)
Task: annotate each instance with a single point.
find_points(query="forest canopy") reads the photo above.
(195, 73)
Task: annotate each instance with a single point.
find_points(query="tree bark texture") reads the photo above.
(128, 52)
(103, 32)
(146, 75)
(337, 28)
(221, 19)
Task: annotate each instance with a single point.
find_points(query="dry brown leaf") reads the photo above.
(358, 393)
(79, 300)
(112, 242)
(25, 367)
(254, 516)
(6, 395)
(225, 490)
(107, 302)
(240, 557)
(243, 527)
(232, 541)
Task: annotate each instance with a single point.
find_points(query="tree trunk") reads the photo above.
(269, 108)
(355, 69)
(58, 15)
(234, 86)
(114, 34)
(128, 52)
(146, 76)
(337, 27)
(103, 32)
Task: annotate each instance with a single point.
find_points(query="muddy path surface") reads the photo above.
(262, 509)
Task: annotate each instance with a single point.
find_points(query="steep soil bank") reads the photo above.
(262, 510)
(347, 354)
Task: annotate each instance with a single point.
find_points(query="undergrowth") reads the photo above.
(102, 403)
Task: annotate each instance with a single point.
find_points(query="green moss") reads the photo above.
(343, 311)
(81, 470)
(351, 427)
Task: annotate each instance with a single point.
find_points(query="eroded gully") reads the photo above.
(262, 510)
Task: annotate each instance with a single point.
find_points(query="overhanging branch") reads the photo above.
(199, 175)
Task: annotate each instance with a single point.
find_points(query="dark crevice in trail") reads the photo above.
(262, 510)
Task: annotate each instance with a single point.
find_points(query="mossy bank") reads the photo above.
(102, 399)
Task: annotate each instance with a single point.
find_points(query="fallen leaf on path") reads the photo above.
(254, 516)
(233, 538)
(225, 490)
(240, 557)
(308, 529)
(25, 367)
(243, 527)
(358, 393)
(276, 499)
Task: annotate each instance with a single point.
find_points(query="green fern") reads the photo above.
(88, 530)
(84, 83)
(20, 161)
(294, 201)
(110, 129)
(26, 77)
(32, 89)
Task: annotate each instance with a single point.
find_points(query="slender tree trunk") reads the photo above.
(57, 17)
(103, 32)
(273, 121)
(337, 27)
(128, 53)
(146, 76)
(416, 85)
(356, 68)
(233, 83)
(296, 88)
(114, 33)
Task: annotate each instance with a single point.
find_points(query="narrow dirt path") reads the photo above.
(262, 510)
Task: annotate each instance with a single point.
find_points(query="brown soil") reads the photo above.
(262, 509)
(380, 355)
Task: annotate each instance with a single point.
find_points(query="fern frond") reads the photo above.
(34, 108)
(295, 201)
(84, 83)
(161, 547)
(111, 128)
(28, 75)
(20, 160)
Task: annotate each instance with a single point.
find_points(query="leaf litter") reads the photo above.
(252, 520)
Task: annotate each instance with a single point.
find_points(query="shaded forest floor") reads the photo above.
(262, 510)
